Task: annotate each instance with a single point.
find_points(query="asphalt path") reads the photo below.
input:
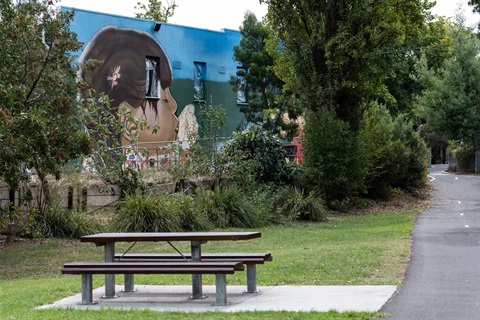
(443, 277)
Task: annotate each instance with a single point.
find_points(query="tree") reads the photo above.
(330, 54)
(332, 58)
(255, 82)
(39, 115)
(435, 42)
(475, 4)
(450, 101)
(155, 10)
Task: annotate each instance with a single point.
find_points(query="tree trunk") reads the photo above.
(45, 190)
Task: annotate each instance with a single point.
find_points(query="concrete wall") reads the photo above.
(77, 198)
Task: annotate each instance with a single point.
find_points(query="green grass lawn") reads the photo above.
(368, 249)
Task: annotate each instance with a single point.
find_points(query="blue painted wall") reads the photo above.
(183, 46)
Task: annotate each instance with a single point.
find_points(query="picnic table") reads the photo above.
(196, 239)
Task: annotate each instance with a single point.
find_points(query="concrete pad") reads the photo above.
(278, 298)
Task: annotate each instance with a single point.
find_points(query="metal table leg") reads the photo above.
(109, 278)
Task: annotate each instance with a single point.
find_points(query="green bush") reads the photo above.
(15, 222)
(227, 207)
(376, 137)
(254, 153)
(411, 152)
(160, 213)
(463, 154)
(61, 223)
(263, 196)
(191, 218)
(333, 163)
(395, 154)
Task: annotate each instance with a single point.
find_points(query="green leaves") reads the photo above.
(450, 101)
(256, 77)
(155, 10)
(40, 123)
(259, 154)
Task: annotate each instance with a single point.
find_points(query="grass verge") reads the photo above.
(368, 249)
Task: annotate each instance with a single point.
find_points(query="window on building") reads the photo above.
(152, 81)
(199, 79)
(241, 88)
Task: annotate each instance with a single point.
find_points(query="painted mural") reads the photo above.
(164, 75)
(135, 72)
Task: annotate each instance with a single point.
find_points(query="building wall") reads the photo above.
(183, 46)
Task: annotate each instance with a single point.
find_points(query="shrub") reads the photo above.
(227, 207)
(463, 154)
(15, 222)
(333, 163)
(395, 154)
(376, 136)
(130, 181)
(61, 223)
(411, 153)
(160, 213)
(263, 196)
(191, 218)
(260, 155)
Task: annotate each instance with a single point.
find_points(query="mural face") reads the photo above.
(136, 73)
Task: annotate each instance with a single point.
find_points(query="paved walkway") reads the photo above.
(278, 298)
(443, 278)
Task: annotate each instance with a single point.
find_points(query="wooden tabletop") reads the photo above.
(169, 236)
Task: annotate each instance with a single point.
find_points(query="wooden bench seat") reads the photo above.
(87, 269)
(249, 259)
(205, 256)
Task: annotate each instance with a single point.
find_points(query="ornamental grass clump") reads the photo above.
(191, 218)
(146, 213)
(62, 223)
(228, 207)
(293, 203)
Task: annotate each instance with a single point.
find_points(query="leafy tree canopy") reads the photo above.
(475, 4)
(39, 126)
(155, 10)
(450, 101)
(330, 54)
(257, 81)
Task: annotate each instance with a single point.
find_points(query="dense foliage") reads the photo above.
(450, 100)
(156, 10)
(255, 154)
(395, 154)
(256, 81)
(337, 59)
(39, 117)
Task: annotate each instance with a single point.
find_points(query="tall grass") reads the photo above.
(61, 223)
(160, 213)
(146, 213)
(228, 207)
(292, 203)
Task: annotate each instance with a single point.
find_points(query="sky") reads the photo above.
(227, 14)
